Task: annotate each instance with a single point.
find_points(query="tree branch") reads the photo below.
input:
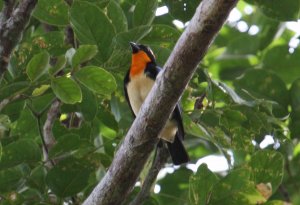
(11, 29)
(48, 138)
(7, 10)
(142, 136)
(159, 161)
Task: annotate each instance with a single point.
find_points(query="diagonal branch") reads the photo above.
(142, 136)
(11, 29)
(7, 10)
(159, 162)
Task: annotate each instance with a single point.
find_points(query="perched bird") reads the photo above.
(137, 84)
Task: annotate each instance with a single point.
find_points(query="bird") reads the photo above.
(138, 82)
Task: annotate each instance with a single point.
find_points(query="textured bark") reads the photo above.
(12, 25)
(178, 70)
(48, 138)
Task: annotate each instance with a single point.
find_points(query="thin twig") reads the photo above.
(47, 128)
(49, 162)
(159, 161)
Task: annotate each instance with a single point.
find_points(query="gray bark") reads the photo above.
(178, 70)
(12, 25)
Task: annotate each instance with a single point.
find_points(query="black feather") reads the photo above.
(176, 149)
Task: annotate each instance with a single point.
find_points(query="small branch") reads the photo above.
(6, 101)
(48, 138)
(11, 29)
(159, 161)
(199, 102)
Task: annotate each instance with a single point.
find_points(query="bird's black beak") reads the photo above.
(135, 48)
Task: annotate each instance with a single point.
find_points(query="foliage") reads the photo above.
(251, 81)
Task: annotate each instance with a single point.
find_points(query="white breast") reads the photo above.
(138, 88)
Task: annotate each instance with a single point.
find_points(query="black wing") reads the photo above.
(152, 70)
(126, 81)
(176, 115)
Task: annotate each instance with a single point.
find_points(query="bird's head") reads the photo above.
(141, 56)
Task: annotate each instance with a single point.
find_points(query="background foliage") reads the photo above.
(250, 76)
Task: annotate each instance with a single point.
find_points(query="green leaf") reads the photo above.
(54, 12)
(195, 129)
(65, 144)
(276, 202)
(84, 53)
(97, 79)
(182, 10)
(37, 178)
(234, 96)
(267, 167)
(201, 185)
(163, 35)
(68, 177)
(37, 66)
(117, 16)
(13, 89)
(53, 42)
(108, 126)
(66, 89)
(295, 95)
(88, 105)
(10, 179)
(287, 10)
(265, 85)
(21, 151)
(59, 65)
(104, 159)
(144, 12)
(285, 65)
(295, 114)
(91, 26)
(25, 120)
(236, 189)
(119, 59)
(237, 45)
(175, 185)
(135, 35)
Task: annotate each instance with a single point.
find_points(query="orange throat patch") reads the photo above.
(139, 62)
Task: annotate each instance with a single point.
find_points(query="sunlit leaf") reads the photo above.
(54, 12)
(84, 53)
(97, 79)
(201, 185)
(66, 89)
(68, 177)
(37, 66)
(144, 12)
(22, 151)
(91, 26)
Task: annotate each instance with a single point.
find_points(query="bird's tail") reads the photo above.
(177, 151)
